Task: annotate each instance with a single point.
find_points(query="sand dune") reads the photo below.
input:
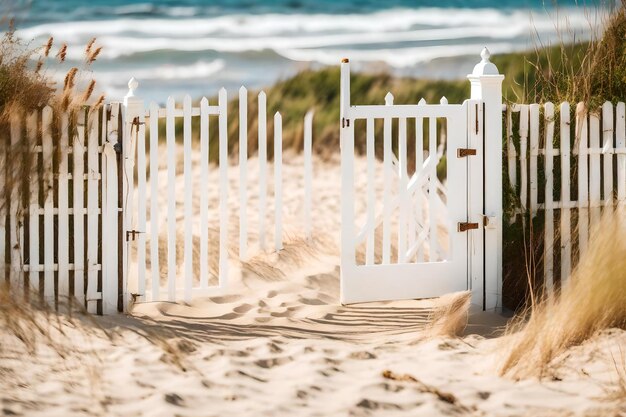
(278, 343)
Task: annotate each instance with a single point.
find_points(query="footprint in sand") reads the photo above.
(362, 355)
(244, 308)
(272, 362)
(224, 299)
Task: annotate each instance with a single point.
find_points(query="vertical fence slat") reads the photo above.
(511, 151)
(93, 241)
(534, 153)
(170, 135)
(262, 166)
(278, 181)
(433, 254)
(607, 151)
(110, 214)
(48, 206)
(78, 183)
(548, 255)
(523, 133)
(141, 208)
(419, 163)
(565, 227)
(583, 180)
(371, 194)
(308, 174)
(243, 172)
(620, 144)
(33, 224)
(403, 195)
(16, 229)
(594, 168)
(223, 159)
(63, 202)
(188, 175)
(204, 197)
(155, 266)
(387, 156)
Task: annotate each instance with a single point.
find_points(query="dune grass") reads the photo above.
(593, 299)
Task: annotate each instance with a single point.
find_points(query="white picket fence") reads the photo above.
(591, 156)
(147, 217)
(55, 245)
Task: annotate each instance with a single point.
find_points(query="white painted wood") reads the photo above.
(433, 247)
(243, 173)
(566, 225)
(278, 181)
(33, 224)
(620, 144)
(583, 179)
(188, 175)
(523, 133)
(402, 192)
(63, 234)
(16, 215)
(223, 171)
(308, 174)
(511, 151)
(262, 116)
(419, 195)
(475, 198)
(346, 144)
(370, 248)
(48, 203)
(594, 168)
(607, 152)
(204, 197)
(486, 85)
(78, 186)
(171, 200)
(110, 217)
(548, 254)
(154, 202)
(534, 152)
(93, 239)
(141, 210)
(387, 157)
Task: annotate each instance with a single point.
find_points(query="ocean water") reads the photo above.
(195, 47)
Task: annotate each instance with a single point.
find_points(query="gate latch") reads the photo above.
(463, 152)
(132, 235)
(464, 226)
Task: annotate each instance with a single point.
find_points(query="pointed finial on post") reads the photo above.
(485, 55)
(485, 66)
(132, 86)
(443, 100)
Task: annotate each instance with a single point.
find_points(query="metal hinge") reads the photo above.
(463, 152)
(464, 226)
(345, 122)
(132, 235)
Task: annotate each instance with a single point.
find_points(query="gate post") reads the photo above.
(486, 85)
(134, 119)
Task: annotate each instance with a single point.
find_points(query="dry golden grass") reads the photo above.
(593, 300)
(450, 316)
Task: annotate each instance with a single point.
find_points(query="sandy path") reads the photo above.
(278, 343)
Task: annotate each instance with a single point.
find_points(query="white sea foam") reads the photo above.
(239, 33)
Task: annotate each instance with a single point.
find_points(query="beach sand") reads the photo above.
(277, 342)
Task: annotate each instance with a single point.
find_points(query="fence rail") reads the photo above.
(588, 177)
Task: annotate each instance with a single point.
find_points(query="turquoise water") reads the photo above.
(195, 47)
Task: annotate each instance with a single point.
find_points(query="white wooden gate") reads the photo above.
(413, 238)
